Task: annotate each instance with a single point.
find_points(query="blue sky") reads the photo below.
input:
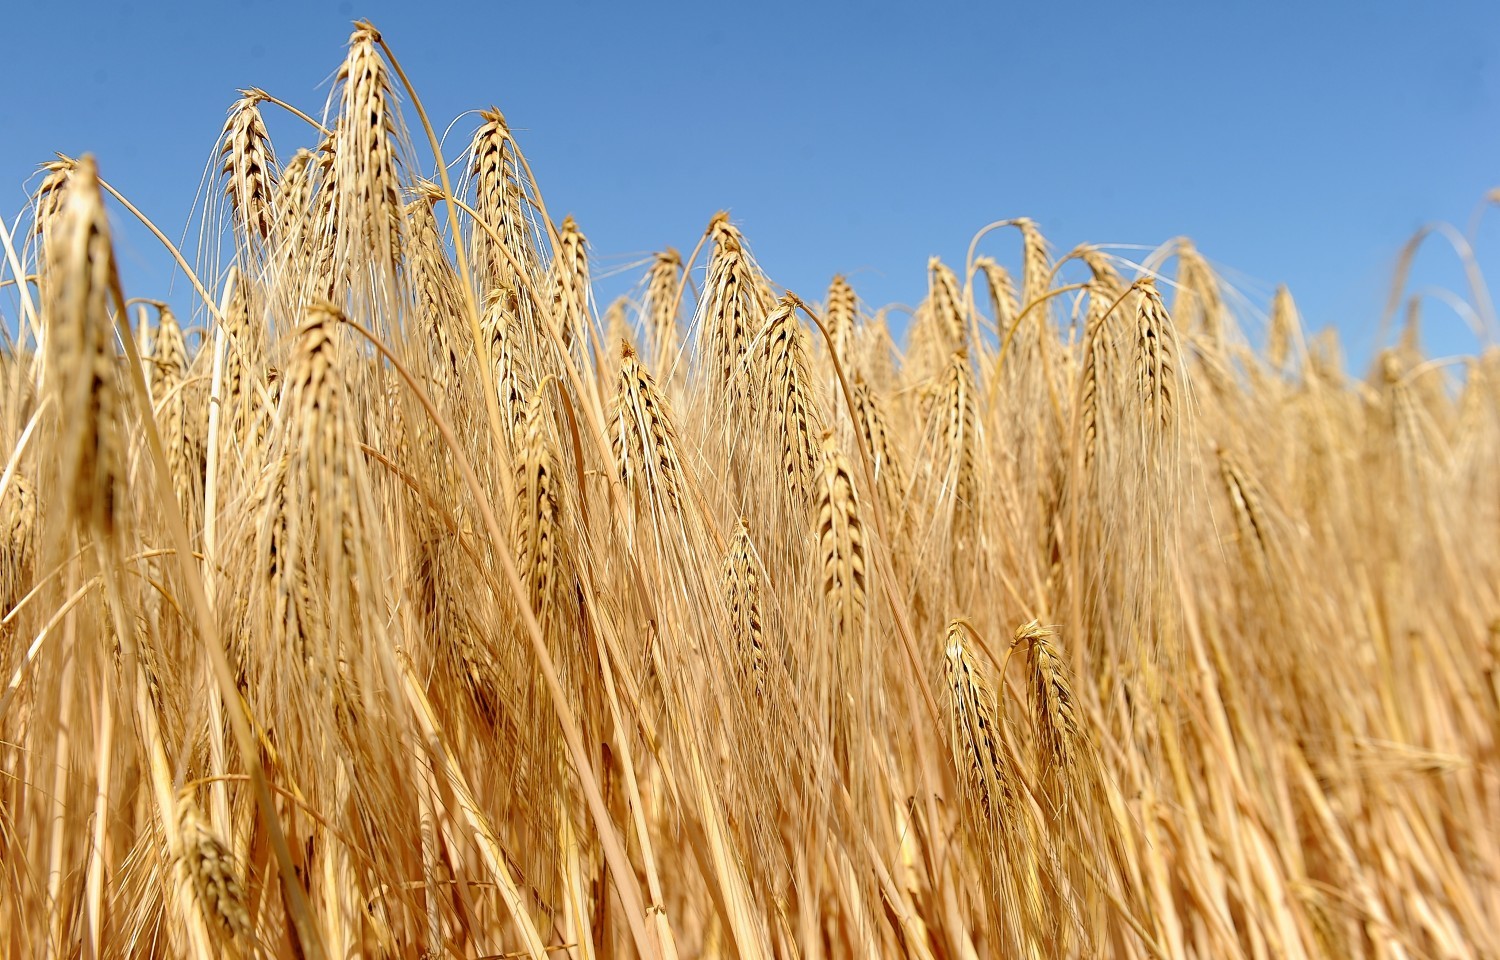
(1296, 142)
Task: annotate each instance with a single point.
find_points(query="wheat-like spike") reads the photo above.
(18, 534)
(1098, 368)
(180, 425)
(1198, 302)
(51, 195)
(1156, 359)
(644, 440)
(1104, 271)
(212, 876)
(80, 364)
(310, 524)
(315, 412)
(1283, 326)
(508, 369)
(315, 404)
(1035, 265)
(788, 399)
(945, 304)
(617, 328)
(312, 385)
(1403, 415)
(249, 167)
(454, 623)
(732, 313)
(1052, 700)
(439, 299)
(874, 426)
(318, 258)
(1247, 502)
(568, 286)
(500, 201)
(368, 181)
(294, 206)
(168, 353)
(1002, 293)
(840, 315)
(663, 286)
(618, 331)
(954, 409)
(725, 235)
(742, 596)
(243, 359)
(841, 541)
(878, 352)
(537, 521)
(977, 754)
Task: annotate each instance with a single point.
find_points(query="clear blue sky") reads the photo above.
(1297, 142)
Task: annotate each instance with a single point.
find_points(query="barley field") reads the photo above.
(399, 599)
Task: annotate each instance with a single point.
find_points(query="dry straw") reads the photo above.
(667, 632)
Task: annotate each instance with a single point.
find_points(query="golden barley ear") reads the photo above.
(840, 315)
(1156, 362)
(249, 168)
(1055, 714)
(568, 287)
(182, 416)
(212, 875)
(1035, 265)
(643, 437)
(81, 369)
(787, 401)
(1199, 305)
(880, 440)
(1002, 291)
(946, 305)
(955, 413)
(841, 540)
(1284, 326)
(436, 287)
(537, 521)
(977, 753)
(742, 596)
(500, 197)
(19, 515)
(368, 181)
(734, 305)
(661, 307)
(509, 372)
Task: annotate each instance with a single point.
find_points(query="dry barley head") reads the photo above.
(840, 537)
(249, 167)
(975, 734)
(840, 314)
(81, 368)
(211, 874)
(945, 304)
(369, 201)
(1156, 361)
(643, 437)
(742, 597)
(660, 308)
(536, 525)
(1056, 718)
(1284, 326)
(787, 399)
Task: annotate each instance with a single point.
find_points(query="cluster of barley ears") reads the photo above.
(392, 601)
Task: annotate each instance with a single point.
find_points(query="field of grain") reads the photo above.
(404, 601)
